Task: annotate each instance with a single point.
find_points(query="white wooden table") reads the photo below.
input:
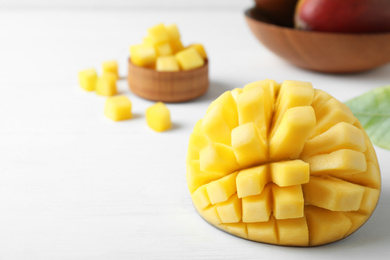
(74, 185)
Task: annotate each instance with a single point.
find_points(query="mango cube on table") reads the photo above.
(158, 117)
(87, 79)
(167, 63)
(106, 85)
(118, 108)
(143, 54)
(110, 67)
(189, 59)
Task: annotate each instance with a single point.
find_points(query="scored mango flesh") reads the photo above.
(283, 164)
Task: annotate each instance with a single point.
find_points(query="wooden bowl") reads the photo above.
(172, 87)
(319, 51)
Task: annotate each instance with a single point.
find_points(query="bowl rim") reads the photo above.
(248, 15)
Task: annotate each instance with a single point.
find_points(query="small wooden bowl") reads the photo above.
(319, 51)
(172, 87)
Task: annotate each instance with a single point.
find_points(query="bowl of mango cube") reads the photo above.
(161, 68)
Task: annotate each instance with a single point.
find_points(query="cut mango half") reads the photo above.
(283, 164)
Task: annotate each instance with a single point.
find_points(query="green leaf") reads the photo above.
(373, 111)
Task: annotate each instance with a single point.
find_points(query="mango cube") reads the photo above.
(230, 211)
(143, 55)
(220, 190)
(248, 145)
(163, 49)
(290, 173)
(87, 79)
(284, 164)
(288, 202)
(251, 181)
(118, 108)
(189, 59)
(110, 67)
(158, 33)
(333, 194)
(173, 31)
(106, 85)
(158, 117)
(217, 158)
(257, 208)
(200, 49)
(167, 63)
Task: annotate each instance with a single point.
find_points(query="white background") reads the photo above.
(74, 185)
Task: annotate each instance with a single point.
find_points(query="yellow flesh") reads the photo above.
(282, 164)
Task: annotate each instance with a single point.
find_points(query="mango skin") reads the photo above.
(346, 16)
(309, 189)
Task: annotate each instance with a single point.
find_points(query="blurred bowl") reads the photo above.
(319, 51)
(170, 87)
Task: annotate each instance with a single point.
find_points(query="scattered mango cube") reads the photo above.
(118, 108)
(189, 59)
(110, 67)
(106, 85)
(87, 79)
(167, 63)
(158, 117)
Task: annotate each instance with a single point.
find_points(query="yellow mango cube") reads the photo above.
(326, 226)
(196, 178)
(238, 229)
(331, 113)
(167, 63)
(217, 158)
(252, 108)
(229, 108)
(106, 85)
(110, 66)
(230, 211)
(217, 125)
(333, 194)
(176, 45)
(173, 31)
(118, 108)
(288, 202)
(158, 33)
(189, 59)
(292, 94)
(143, 55)
(289, 173)
(200, 49)
(211, 214)
(163, 49)
(87, 79)
(252, 181)
(198, 142)
(292, 133)
(257, 208)
(248, 145)
(339, 136)
(200, 197)
(263, 231)
(300, 236)
(158, 117)
(220, 190)
(338, 163)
